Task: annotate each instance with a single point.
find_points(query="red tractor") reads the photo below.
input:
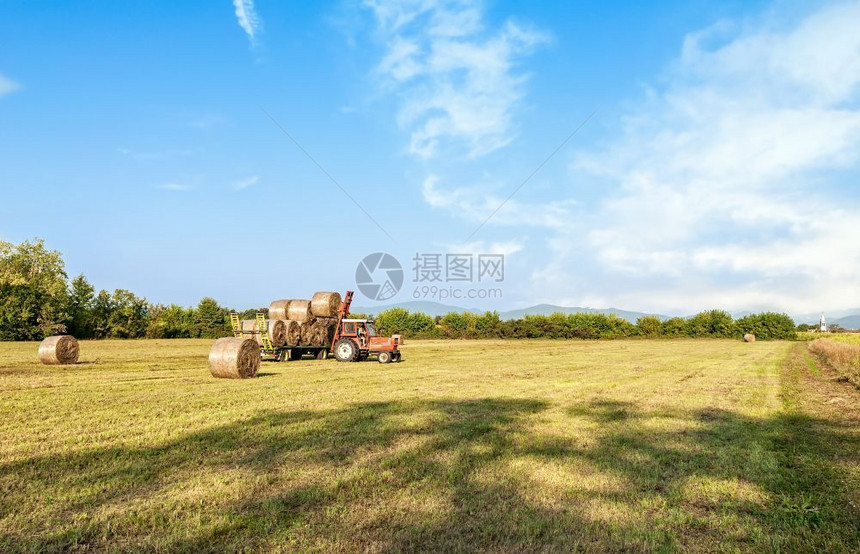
(356, 339)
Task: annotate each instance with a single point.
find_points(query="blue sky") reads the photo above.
(719, 168)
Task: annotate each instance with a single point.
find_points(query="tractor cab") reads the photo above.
(357, 339)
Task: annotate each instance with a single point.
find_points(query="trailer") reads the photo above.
(354, 340)
(272, 353)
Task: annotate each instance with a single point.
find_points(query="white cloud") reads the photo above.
(505, 248)
(457, 82)
(476, 202)
(242, 184)
(721, 178)
(7, 86)
(247, 17)
(179, 187)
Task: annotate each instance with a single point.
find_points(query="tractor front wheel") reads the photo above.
(384, 357)
(345, 350)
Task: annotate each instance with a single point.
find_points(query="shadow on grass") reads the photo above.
(436, 475)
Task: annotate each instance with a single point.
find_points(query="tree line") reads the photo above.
(466, 325)
(37, 299)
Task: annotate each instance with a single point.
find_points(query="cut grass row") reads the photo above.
(479, 445)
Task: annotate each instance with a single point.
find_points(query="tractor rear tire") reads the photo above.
(345, 350)
(384, 357)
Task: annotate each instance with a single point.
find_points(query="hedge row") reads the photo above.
(711, 323)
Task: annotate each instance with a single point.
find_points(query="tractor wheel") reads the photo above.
(345, 350)
(296, 354)
(384, 357)
(398, 357)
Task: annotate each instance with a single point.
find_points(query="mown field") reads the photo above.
(661, 445)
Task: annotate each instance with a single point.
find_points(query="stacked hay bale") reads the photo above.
(234, 358)
(277, 331)
(59, 350)
(308, 322)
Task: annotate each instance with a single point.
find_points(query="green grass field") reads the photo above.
(660, 445)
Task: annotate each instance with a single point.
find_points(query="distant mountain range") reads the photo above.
(849, 319)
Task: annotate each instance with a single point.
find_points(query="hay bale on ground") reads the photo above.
(300, 310)
(293, 332)
(749, 337)
(250, 330)
(59, 350)
(278, 332)
(234, 358)
(278, 309)
(325, 304)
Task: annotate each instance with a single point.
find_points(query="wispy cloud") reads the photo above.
(7, 85)
(173, 186)
(456, 80)
(475, 201)
(247, 17)
(242, 184)
(718, 196)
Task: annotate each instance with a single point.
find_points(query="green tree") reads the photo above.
(103, 307)
(80, 308)
(128, 319)
(767, 326)
(210, 320)
(711, 323)
(32, 291)
(674, 327)
(649, 326)
(169, 322)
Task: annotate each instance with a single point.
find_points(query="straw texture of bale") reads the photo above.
(300, 310)
(749, 338)
(293, 332)
(324, 331)
(234, 358)
(250, 330)
(306, 331)
(325, 304)
(278, 309)
(59, 350)
(278, 332)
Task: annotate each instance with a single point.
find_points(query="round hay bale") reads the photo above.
(250, 330)
(306, 331)
(278, 332)
(299, 310)
(293, 332)
(326, 304)
(325, 328)
(234, 358)
(749, 337)
(59, 350)
(278, 309)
